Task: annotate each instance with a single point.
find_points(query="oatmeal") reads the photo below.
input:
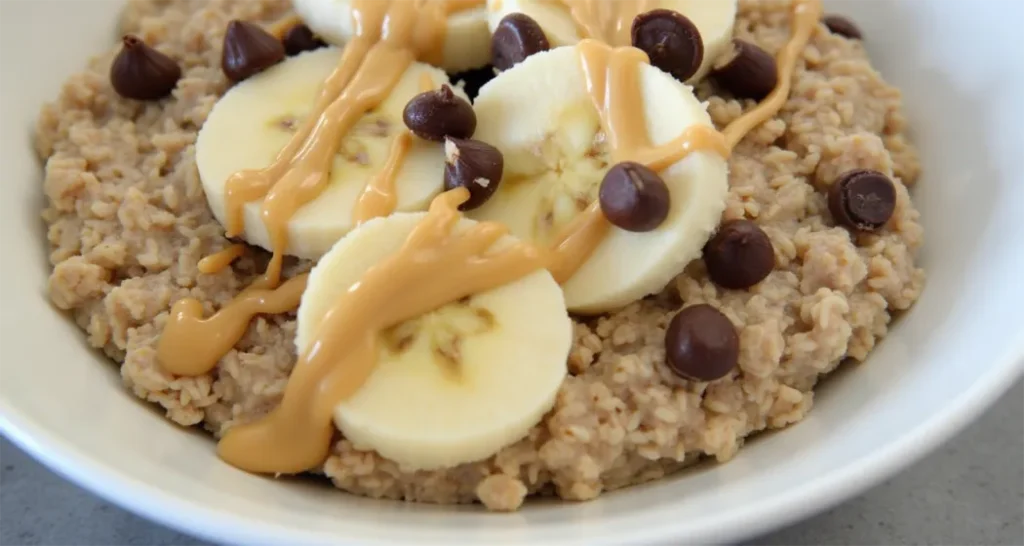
(812, 255)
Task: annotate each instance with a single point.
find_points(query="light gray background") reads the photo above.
(971, 491)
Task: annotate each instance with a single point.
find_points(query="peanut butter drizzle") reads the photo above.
(576, 242)
(806, 14)
(192, 345)
(426, 82)
(281, 26)
(609, 21)
(434, 266)
(379, 197)
(390, 34)
(216, 262)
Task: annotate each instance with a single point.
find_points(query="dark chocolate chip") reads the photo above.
(141, 72)
(746, 71)
(248, 50)
(671, 41)
(473, 80)
(633, 197)
(433, 115)
(862, 199)
(842, 26)
(474, 165)
(701, 344)
(739, 256)
(300, 38)
(517, 37)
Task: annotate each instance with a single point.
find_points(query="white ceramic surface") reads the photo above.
(958, 349)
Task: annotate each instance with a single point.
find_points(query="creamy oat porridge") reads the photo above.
(309, 230)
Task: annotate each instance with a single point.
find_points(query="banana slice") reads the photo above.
(713, 18)
(541, 117)
(254, 120)
(454, 385)
(467, 36)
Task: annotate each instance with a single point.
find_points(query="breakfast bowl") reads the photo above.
(943, 361)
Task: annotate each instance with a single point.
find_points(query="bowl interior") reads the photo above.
(952, 353)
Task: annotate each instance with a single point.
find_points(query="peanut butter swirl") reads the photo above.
(379, 197)
(435, 266)
(216, 262)
(192, 345)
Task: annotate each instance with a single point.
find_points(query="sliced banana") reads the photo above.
(457, 384)
(541, 117)
(254, 120)
(467, 36)
(713, 18)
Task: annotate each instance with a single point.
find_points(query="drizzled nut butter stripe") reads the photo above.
(604, 20)
(379, 197)
(216, 262)
(434, 267)
(192, 345)
(806, 14)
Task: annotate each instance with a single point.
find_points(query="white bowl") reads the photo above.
(943, 363)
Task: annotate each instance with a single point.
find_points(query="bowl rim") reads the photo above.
(197, 519)
(210, 522)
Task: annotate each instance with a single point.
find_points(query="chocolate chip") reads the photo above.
(701, 344)
(141, 72)
(433, 115)
(633, 197)
(300, 38)
(517, 37)
(739, 256)
(746, 71)
(671, 41)
(862, 200)
(474, 165)
(473, 80)
(248, 50)
(842, 26)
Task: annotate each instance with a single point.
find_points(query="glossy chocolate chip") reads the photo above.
(862, 200)
(517, 37)
(671, 41)
(248, 50)
(434, 115)
(473, 80)
(474, 165)
(633, 197)
(842, 26)
(739, 256)
(300, 38)
(746, 71)
(141, 72)
(701, 344)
